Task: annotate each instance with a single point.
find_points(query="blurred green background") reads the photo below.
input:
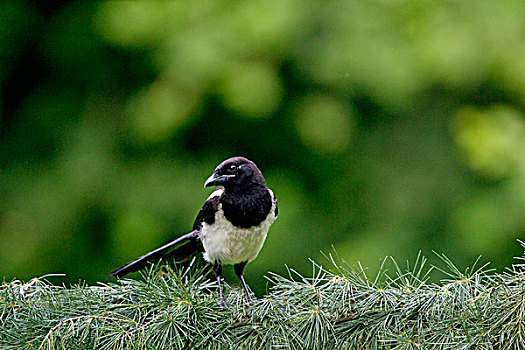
(384, 127)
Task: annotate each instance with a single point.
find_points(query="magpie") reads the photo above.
(230, 228)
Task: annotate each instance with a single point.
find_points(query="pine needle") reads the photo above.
(338, 307)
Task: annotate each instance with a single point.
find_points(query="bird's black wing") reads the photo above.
(181, 248)
(207, 212)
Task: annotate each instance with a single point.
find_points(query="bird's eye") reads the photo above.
(232, 168)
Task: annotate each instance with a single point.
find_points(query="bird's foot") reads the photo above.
(249, 298)
(222, 303)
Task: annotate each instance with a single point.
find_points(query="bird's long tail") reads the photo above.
(181, 248)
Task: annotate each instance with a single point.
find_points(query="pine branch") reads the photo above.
(337, 308)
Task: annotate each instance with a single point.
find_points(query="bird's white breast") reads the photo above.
(231, 245)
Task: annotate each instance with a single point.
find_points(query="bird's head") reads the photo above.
(235, 172)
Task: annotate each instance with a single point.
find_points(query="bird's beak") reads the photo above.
(216, 180)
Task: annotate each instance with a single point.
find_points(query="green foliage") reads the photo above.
(384, 127)
(341, 307)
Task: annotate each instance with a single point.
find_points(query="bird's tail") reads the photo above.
(181, 248)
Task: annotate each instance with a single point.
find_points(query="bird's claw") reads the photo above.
(223, 304)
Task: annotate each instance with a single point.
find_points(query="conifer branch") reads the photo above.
(339, 307)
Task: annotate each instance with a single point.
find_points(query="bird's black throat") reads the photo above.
(248, 207)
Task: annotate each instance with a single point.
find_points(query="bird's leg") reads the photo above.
(239, 268)
(217, 270)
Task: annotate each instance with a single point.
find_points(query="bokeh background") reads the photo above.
(384, 127)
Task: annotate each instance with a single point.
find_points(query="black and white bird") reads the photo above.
(231, 226)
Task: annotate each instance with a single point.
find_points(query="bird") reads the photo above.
(230, 228)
